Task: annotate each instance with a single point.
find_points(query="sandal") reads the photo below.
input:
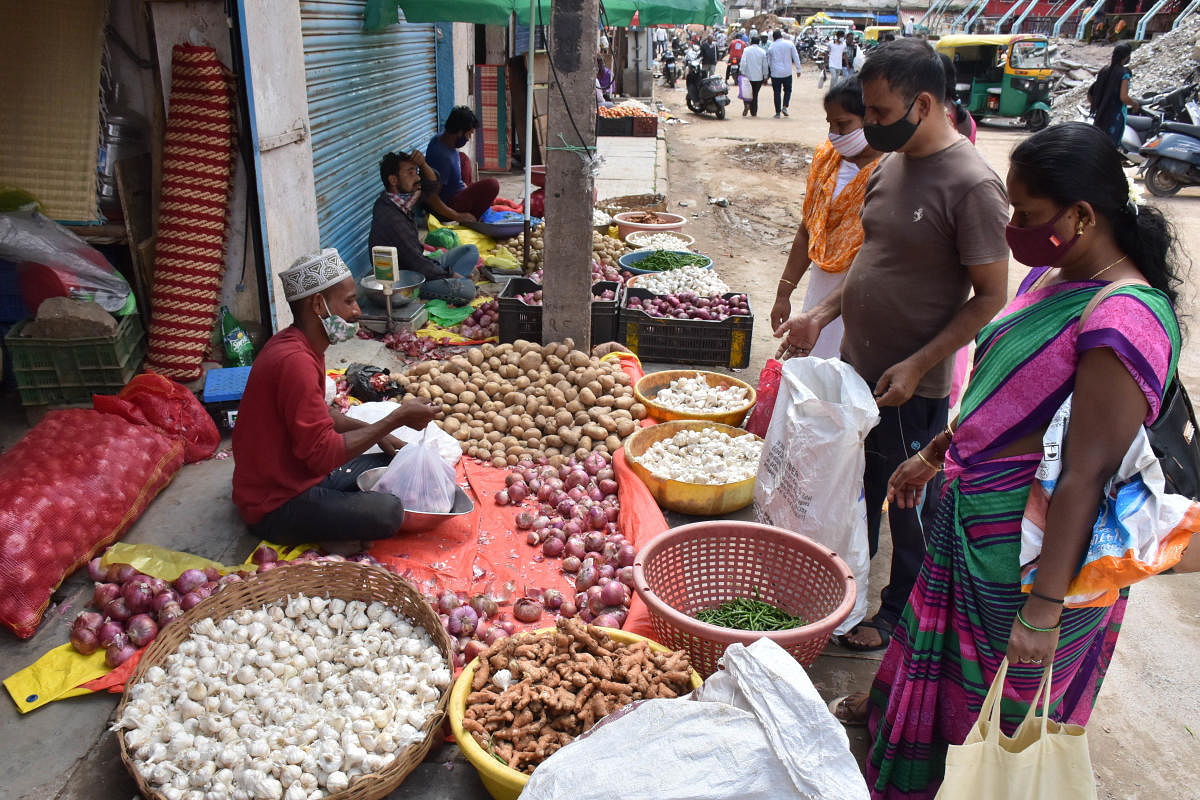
(885, 636)
(850, 717)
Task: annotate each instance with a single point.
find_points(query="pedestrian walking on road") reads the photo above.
(837, 58)
(831, 230)
(708, 55)
(781, 58)
(754, 68)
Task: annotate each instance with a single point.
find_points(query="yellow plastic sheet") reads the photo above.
(54, 676)
(158, 562)
(465, 235)
(435, 332)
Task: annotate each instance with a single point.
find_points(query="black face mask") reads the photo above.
(891, 137)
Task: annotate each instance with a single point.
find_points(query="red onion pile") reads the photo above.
(474, 623)
(575, 520)
(483, 323)
(410, 344)
(535, 298)
(687, 305)
(131, 606)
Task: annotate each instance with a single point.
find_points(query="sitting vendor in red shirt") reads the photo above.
(297, 461)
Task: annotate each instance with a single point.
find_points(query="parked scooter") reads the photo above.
(1172, 159)
(706, 94)
(1177, 105)
(670, 69)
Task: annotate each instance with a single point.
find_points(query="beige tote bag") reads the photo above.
(1043, 760)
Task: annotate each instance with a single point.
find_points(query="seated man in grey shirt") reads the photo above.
(932, 271)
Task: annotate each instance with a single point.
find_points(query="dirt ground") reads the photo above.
(1143, 732)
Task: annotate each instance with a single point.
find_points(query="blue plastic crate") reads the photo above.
(224, 385)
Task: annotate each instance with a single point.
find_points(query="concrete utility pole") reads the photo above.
(567, 298)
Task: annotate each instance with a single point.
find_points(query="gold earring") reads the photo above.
(1079, 226)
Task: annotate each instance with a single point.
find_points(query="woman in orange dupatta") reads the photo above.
(831, 231)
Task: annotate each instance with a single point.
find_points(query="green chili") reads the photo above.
(663, 260)
(746, 614)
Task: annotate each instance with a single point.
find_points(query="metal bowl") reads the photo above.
(405, 287)
(419, 521)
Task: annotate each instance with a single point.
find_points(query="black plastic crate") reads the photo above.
(685, 341)
(610, 126)
(520, 320)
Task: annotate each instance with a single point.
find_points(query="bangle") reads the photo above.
(789, 283)
(1040, 596)
(1035, 628)
(949, 431)
(928, 463)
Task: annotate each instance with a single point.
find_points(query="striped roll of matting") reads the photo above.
(189, 257)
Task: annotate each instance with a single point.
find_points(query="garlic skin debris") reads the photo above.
(295, 700)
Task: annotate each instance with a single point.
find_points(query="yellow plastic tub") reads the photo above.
(648, 387)
(501, 781)
(698, 500)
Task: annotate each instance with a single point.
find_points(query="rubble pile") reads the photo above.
(1165, 62)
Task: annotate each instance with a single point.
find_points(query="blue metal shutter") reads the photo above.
(367, 93)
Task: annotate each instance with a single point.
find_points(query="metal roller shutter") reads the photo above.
(367, 93)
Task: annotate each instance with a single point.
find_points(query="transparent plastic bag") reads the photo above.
(420, 477)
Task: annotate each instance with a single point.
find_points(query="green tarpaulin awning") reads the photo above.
(381, 13)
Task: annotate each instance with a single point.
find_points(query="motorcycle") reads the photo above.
(1172, 159)
(1177, 105)
(732, 70)
(706, 94)
(806, 49)
(670, 70)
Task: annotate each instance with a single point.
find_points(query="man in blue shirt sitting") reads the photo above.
(467, 202)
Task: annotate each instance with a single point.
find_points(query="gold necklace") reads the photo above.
(1106, 269)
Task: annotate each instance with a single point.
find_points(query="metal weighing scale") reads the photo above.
(389, 297)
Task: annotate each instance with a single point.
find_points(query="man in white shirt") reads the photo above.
(754, 67)
(781, 57)
(837, 57)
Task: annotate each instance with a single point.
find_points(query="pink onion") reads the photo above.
(524, 521)
(541, 522)
(513, 477)
(575, 546)
(594, 463)
(97, 572)
(613, 593)
(142, 630)
(85, 640)
(189, 600)
(570, 564)
(264, 555)
(625, 576)
(566, 507)
(518, 492)
(168, 614)
(535, 486)
(484, 606)
(165, 598)
(212, 574)
(567, 609)
(596, 495)
(553, 548)
(232, 577)
(533, 538)
(594, 601)
(89, 620)
(586, 577)
(606, 621)
(596, 518)
(494, 635)
(626, 555)
(109, 632)
(463, 621)
(448, 601)
(137, 596)
(105, 593)
(473, 649)
(608, 487)
(117, 609)
(606, 474)
(527, 610)
(120, 573)
(552, 599)
(188, 580)
(502, 497)
(585, 615)
(270, 565)
(573, 528)
(544, 491)
(612, 514)
(593, 542)
(508, 626)
(117, 654)
(606, 572)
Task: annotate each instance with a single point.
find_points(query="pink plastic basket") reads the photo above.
(702, 565)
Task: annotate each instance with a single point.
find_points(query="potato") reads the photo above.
(606, 400)
(587, 397)
(595, 432)
(638, 411)
(608, 382)
(533, 405)
(462, 434)
(586, 376)
(582, 418)
(488, 350)
(460, 408)
(557, 398)
(522, 382)
(553, 362)
(612, 443)
(557, 460)
(509, 441)
(491, 389)
(517, 431)
(500, 461)
(568, 435)
(574, 406)
(621, 377)
(530, 361)
(493, 363)
(509, 371)
(450, 399)
(585, 449)
(499, 423)
(494, 436)
(596, 388)
(475, 356)
(625, 402)
(504, 349)
(563, 417)
(424, 393)
(596, 413)
(577, 359)
(625, 427)
(547, 411)
(564, 370)
(450, 425)
(553, 440)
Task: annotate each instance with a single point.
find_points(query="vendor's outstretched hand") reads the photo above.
(463, 216)
(906, 487)
(415, 413)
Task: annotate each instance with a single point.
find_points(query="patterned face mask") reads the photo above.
(336, 328)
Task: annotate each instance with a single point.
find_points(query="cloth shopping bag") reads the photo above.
(745, 90)
(1043, 760)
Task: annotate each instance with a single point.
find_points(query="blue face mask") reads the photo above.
(461, 141)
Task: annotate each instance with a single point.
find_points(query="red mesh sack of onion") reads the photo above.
(68, 489)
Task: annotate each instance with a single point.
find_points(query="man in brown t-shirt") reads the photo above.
(933, 219)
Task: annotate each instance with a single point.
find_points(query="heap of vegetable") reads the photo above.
(707, 457)
(301, 698)
(694, 393)
(535, 298)
(662, 260)
(698, 280)
(745, 614)
(521, 400)
(605, 249)
(535, 693)
(484, 322)
(687, 305)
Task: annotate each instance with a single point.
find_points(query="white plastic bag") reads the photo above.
(420, 477)
(447, 445)
(756, 730)
(810, 479)
(860, 58)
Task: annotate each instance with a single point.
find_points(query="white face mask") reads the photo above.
(850, 144)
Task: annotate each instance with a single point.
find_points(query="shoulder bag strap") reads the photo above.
(1104, 292)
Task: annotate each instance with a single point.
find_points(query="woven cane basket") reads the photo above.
(340, 579)
(686, 569)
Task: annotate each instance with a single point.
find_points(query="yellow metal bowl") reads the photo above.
(698, 500)
(650, 384)
(501, 781)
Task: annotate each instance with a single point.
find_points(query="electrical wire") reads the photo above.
(554, 70)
